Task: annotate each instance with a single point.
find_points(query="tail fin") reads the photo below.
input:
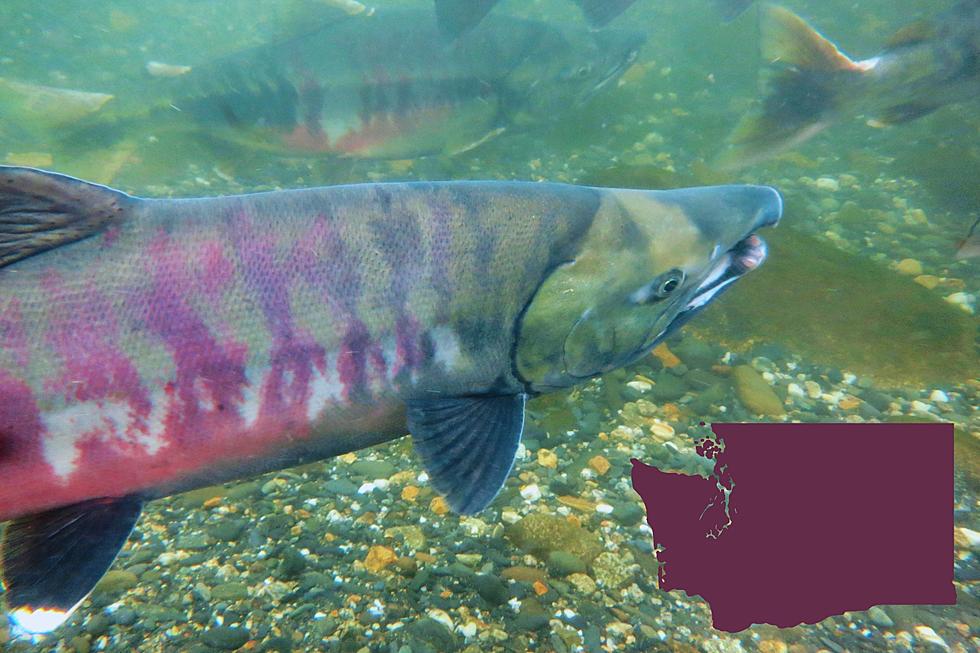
(46, 106)
(42, 210)
(803, 89)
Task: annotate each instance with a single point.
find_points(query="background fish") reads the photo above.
(811, 84)
(456, 17)
(153, 346)
(385, 86)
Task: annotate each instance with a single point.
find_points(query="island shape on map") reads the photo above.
(800, 522)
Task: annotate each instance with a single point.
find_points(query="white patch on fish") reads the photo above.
(323, 390)
(105, 420)
(446, 345)
(251, 398)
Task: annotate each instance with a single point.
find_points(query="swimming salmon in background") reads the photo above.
(388, 85)
(148, 347)
(811, 84)
(456, 17)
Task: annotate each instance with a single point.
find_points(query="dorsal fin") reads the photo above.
(788, 39)
(917, 32)
(42, 210)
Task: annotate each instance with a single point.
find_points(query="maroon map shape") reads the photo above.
(821, 519)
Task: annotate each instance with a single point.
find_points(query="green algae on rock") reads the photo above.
(540, 534)
(841, 309)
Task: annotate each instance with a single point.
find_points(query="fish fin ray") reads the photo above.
(52, 560)
(790, 40)
(42, 210)
(487, 428)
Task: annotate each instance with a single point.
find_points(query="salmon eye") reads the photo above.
(660, 288)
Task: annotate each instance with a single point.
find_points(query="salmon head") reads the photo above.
(650, 262)
(565, 70)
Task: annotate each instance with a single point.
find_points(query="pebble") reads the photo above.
(880, 618)
(378, 557)
(927, 281)
(599, 464)
(931, 637)
(909, 266)
(828, 184)
(939, 396)
(640, 386)
(226, 638)
(813, 389)
(193, 541)
(963, 300)
(755, 394)
(547, 458)
(115, 582)
(611, 570)
(531, 492)
(230, 592)
(439, 506)
(562, 563)
(582, 583)
(491, 589)
(966, 538)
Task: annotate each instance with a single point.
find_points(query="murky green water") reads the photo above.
(862, 314)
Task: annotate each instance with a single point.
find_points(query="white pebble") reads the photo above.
(640, 386)
(939, 396)
(366, 488)
(469, 630)
(794, 390)
(441, 616)
(927, 634)
(603, 508)
(970, 537)
(531, 492)
(813, 389)
(963, 300)
(509, 517)
(920, 407)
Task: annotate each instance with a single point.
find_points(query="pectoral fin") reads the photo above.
(467, 445)
(52, 560)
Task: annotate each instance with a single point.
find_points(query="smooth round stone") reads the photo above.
(562, 563)
(226, 638)
(491, 589)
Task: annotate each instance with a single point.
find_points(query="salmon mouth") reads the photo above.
(746, 255)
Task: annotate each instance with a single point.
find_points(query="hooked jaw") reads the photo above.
(745, 255)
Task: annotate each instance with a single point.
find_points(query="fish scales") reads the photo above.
(201, 325)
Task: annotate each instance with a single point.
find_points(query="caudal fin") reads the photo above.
(804, 85)
(42, 210)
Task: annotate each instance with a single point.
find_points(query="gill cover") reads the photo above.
(648, 259)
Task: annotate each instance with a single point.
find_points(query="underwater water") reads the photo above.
(863, 313)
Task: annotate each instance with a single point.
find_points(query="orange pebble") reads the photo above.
(439, 506)
(599, 464)
(540, 588)
(665, 356)
(410, 493)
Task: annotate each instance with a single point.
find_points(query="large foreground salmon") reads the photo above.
(152, 346)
